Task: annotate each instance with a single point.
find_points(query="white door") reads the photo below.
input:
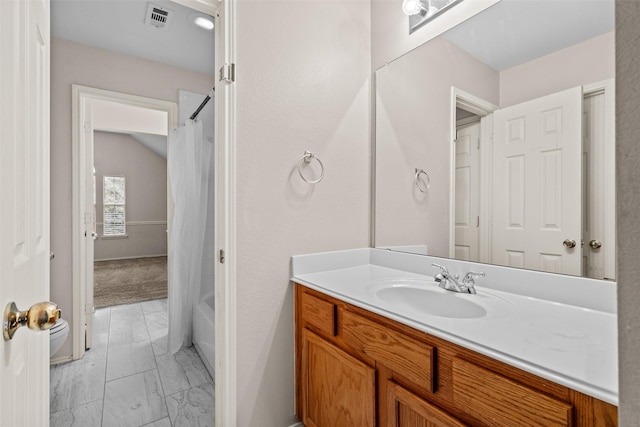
(599, 185)
(467, 192)
(24, 212)
(537, 184)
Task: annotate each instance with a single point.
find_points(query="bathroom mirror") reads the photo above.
(494, 142)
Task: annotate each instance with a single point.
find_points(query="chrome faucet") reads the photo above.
(453, 282)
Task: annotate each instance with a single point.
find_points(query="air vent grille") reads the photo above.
(158, 17)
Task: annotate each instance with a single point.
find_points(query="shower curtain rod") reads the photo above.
(204, 102)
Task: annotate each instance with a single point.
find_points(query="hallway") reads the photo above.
(128, 379)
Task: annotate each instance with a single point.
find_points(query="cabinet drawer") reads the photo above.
(499, 401)
(319, 313)
(409, 358)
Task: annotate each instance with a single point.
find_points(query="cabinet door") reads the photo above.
(337, 390)
(408, 410)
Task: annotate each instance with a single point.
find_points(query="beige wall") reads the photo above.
(413, 104)
(587, 62)
(146, 196)
(303, 72)
(628, 205)
(76, 63)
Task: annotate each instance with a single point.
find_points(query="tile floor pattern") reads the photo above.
(128, 379)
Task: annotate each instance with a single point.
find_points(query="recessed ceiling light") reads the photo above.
(202, 21)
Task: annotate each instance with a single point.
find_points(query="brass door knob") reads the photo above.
(569, 243)
(595, 244)
(39, 317)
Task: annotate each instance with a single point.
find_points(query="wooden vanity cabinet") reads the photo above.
(355, 368)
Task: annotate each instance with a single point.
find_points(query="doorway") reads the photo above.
(102, 110)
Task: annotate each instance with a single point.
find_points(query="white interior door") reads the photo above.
(537, 184)
(467, 191)
(24, 212)
(599, 248)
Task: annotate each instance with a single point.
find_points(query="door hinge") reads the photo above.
(478, 144)
(221, 256)
(478, 221)
(228, 73)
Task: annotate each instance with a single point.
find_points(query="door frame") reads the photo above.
(82, 145)
(225, 220)
(482, 108)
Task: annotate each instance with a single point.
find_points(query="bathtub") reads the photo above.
(204, 332)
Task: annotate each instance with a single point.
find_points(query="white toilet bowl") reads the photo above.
(58, 335)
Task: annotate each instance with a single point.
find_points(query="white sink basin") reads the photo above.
(436, 302)
(427, 298)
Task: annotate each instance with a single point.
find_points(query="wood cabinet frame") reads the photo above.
(449, 367)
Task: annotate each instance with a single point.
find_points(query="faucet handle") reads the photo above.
(441, 267)
(468, 278)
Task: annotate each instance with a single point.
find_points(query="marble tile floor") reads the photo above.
(127, 379)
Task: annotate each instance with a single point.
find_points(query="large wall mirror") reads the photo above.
(494, 142)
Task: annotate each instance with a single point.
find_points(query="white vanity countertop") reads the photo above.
(571, 344)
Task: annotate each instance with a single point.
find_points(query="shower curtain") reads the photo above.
(189, 160)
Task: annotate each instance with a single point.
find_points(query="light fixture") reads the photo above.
(413, 7)
(422, 11)
(202, 21)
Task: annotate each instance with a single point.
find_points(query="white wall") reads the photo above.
(628, 204)
(413, 107)
(76, 63)
(303, 71)
(588, 62)
(145, 175)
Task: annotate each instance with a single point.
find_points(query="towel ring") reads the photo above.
(306, 158)
(422, 188)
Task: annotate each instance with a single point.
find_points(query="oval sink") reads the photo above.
(432, 301)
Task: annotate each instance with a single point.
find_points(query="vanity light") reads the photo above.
(422, 11)
(413, 7)
(202, 21)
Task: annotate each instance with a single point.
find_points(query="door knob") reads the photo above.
(595, 244)
(39, 317)
(569, 243)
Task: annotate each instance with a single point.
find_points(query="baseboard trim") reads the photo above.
(131, 257)
(61, 359)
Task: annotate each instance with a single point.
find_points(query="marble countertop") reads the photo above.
(569, 344)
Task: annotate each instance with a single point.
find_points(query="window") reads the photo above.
(113, 201)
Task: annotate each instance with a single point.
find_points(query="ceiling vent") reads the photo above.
(158, 17)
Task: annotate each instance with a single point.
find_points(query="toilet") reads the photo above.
(58, 335)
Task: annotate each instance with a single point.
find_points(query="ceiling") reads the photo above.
(507, 34)
(119, 26)
(513, 32)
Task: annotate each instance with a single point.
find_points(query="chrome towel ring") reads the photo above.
(421, 186)
(306, 158)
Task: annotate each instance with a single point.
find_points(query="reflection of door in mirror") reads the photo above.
(598, 236)
(537, 186)
(549, 157)
(467, 189)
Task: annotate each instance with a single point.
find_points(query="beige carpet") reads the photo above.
(129, 280)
